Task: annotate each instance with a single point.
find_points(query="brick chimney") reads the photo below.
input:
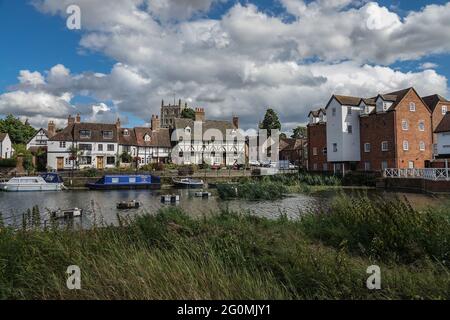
(155, 123)
(78, 118)
(236, 122)
(199, 114)
(51, 129)
(70, 120)
(118, 124)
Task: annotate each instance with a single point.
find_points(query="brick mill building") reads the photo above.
(392, 130)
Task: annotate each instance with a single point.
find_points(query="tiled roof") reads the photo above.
(2, 136)
(396, 97)
(291, 144)
(127, 139)
(348, 100)
(433, 100)
(158, 138)
(370, 101)
(444, 125)
(222, 126)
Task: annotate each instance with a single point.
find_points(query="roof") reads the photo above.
(65, 134)
(396, 97)
(433, 100)
(37, 131)
(158, 138)
(2, 136)
(291, 144)
(72, 132)
(444, 125)
(220, 125)
(348, 100)
(369, 101)
(316, 113)
(129, 139)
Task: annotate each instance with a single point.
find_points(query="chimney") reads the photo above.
(118, 123)
(179, 103)
(236, 122)
(199, 114)
(70, 120)
(51, 129)
(78, 118)
(155, 123)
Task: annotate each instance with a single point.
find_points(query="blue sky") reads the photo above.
(37, 41)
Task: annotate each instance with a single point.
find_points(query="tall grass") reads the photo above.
(265, 189)
(225, 256)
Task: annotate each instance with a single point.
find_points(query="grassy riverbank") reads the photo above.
(233, 256)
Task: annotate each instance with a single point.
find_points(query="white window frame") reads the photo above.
(444, 110)
(421, 125)
(314, 151)
(405, 145)
(412, 107)
(367, 166)
(367, 147)
(384, 146)
(405, 125)
(422, 146)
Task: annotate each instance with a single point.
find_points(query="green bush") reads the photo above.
(320, 180)
(92, 173)
(8, 163)
(253, 190)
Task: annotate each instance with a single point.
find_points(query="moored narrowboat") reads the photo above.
(117, 182)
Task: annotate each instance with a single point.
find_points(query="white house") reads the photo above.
(343, 132)
(6, 149)
(40, 139)
(443, 137)
(208, 141)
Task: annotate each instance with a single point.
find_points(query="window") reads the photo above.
(126, 132)
(367, 166)
(181, 154)
(110, 160)
(147, 138)
(315, 166)
(384, 146)
(100, 147)
(192, 154)
(85, 160)
(85, 147)
(325, 167)
(405, 125)
(67, 161)
(384, 165)
(444, 110)
(115, 180)
(412, 107)
(367, 147)
(108, 135)
(405, 145)
(62, 144)
(335, 148)
(349, 128)
(111, 147)
(422, 125)
(349, 111)
(385, 106)
(411, 164)
(132, 180)
(85, 134)
(324, 151)
(315, 151)
(333, 111)
(422, 146)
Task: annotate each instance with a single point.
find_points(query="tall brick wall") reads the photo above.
(413, 135)
(317, 138)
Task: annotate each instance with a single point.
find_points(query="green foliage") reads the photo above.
(19, 132)
(271, 121)
(8, 163)
(319, 180)
(188, 113)
(92, 173)
(299, 132)
(253, 190)
(125, 157)
(383, 229)
(224, 256)
(27, 156)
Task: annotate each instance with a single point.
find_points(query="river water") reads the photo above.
(100, 206)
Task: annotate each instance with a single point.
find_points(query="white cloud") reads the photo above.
(242, 62)
(428, 65)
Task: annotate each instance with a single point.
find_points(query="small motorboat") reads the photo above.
(125, 205)
(45, 182)
(188, 183)
(67, 213)
(203, 194)
(170, 198)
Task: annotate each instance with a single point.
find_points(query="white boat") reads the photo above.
(170, 198)
(67, 213)
(47, 182)
(188, 183)
(203, 194)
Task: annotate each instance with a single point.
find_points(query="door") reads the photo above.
(100, 164)
(60, 163)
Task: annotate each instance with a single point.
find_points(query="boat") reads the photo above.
(188, 183)
(44, 182)
(170, 198)
(203, 194)
(67, 213)
(125, 205)
(116, 182)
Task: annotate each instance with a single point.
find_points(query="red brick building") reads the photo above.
(317, 141)
(292, 150)
(396, 132)
(439, 106)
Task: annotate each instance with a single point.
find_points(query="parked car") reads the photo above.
(216, 166)
(254, 163)
(238, 166)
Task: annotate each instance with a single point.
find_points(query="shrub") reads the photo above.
(186, 170)
(92, 172)
(8, 163)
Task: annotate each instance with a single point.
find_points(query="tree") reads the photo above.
(299, 132)
(188, 113)
(270, 122)
(19, 132)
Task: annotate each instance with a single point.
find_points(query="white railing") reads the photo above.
(428, 174)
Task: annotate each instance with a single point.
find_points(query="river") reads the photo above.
(100, 206)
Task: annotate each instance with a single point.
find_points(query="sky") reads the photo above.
(230, 57)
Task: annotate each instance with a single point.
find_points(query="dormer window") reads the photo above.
(444, 110)
(333, 112)
(385, 106)
(349, 111)
(107, 135)
(126, 132)
(147, 138)
(85, 134)
(187, 130)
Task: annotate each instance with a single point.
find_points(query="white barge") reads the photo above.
(46, 182)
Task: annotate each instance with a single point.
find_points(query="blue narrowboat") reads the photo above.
(116, 182)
